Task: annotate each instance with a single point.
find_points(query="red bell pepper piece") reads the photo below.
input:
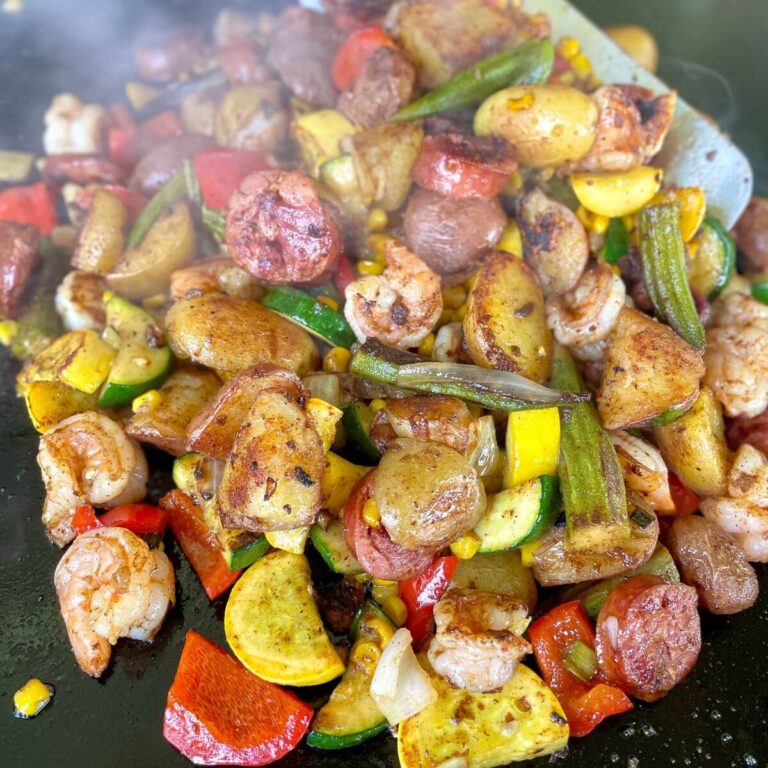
(31, 204)
(422, 593)
(585, 704)
(353, 55)
(138, 518)
(198, 542)
(219, 713)
(345, 273)
(164, 126)
(220, 172)
(685, 500)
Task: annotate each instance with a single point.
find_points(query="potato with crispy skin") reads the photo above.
(648, 370)
(506, 326)
(271, 481)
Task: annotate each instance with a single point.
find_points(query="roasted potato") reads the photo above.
(165, 422)
(638, 42)
(442, 36)
(648, 370)
(252, 116)
(547, 125)
(506, 326)
(102, 238)
(272, 480)
(384, 157)
(213, 429)
(230, 334)
(694, 446)
(169, 245)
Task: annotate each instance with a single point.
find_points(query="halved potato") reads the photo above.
(506, 325)
(230, 334)
(617, 193)
(648, 370)
(102, 238)
(694, 446)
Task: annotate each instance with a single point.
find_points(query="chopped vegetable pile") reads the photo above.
(405, 294)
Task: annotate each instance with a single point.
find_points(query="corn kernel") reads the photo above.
(382, 628)
(600, 224)
(396, 609)
(376, 247)
(527, 553)
(8, 331)
(581, 65)
(521, 103)
(567, 78)
(336, 360)
(32, 698)
(377, 220)
(616, 269)
(628, 222)
(365, 653)
(107, 295)
(371, 514)
(446, 316)
(329, 302)
(461, 312)
(454, 297)
(467, 546)
(511, 240)
(146, 402)
(367, 267)
(377, 404)
(568, 47)
(427, 345)
(381, 593)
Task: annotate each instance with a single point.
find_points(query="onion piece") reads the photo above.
(400, 687)
(486, 455)
(324, 386)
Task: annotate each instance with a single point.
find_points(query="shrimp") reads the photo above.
(448, 341)
(736, 357)
(586, 316)
(80, 301)
(645, 473)
(87, 459)
(631, 128)
(74, 127)
(744, 512)
(478, 640)
(213, 276)
(105, 587)
(400, 306)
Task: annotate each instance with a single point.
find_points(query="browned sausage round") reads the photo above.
(378, 555)
(80, 169)
(752, 233)
(166, 160)
(18, 257)
(711, 561)
(279, 230)
(648, 636)
(452, 235)
(746, 429)
(163, 54)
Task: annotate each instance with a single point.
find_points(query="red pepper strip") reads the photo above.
(220, 172)
(32, 204)
(585, 704)
(84, 519)
(686, 501)
(198, 542)
(345, 273)
(219, 713)
(353, 55)
(422, 593)
(138, 518)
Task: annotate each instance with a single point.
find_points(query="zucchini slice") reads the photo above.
(520, 514)
(351, 715)
(274, 627)
(712, 264)
(357, 421)
(330, 545)
(305, 310)
(138, 367)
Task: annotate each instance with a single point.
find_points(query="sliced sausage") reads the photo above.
(554, 240)
(746, 429)
(18, 256)
(752, 234)
(279, 230)
(711, 561)
(464, 166)
(162, 54)
(166, 160)
(353, 14)
(452, 235)
(648, 636)
(80, 169)
(301, 51)
(378, 555)
(428, 495)
(385, 84)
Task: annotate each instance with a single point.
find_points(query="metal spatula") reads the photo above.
(695, 154)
